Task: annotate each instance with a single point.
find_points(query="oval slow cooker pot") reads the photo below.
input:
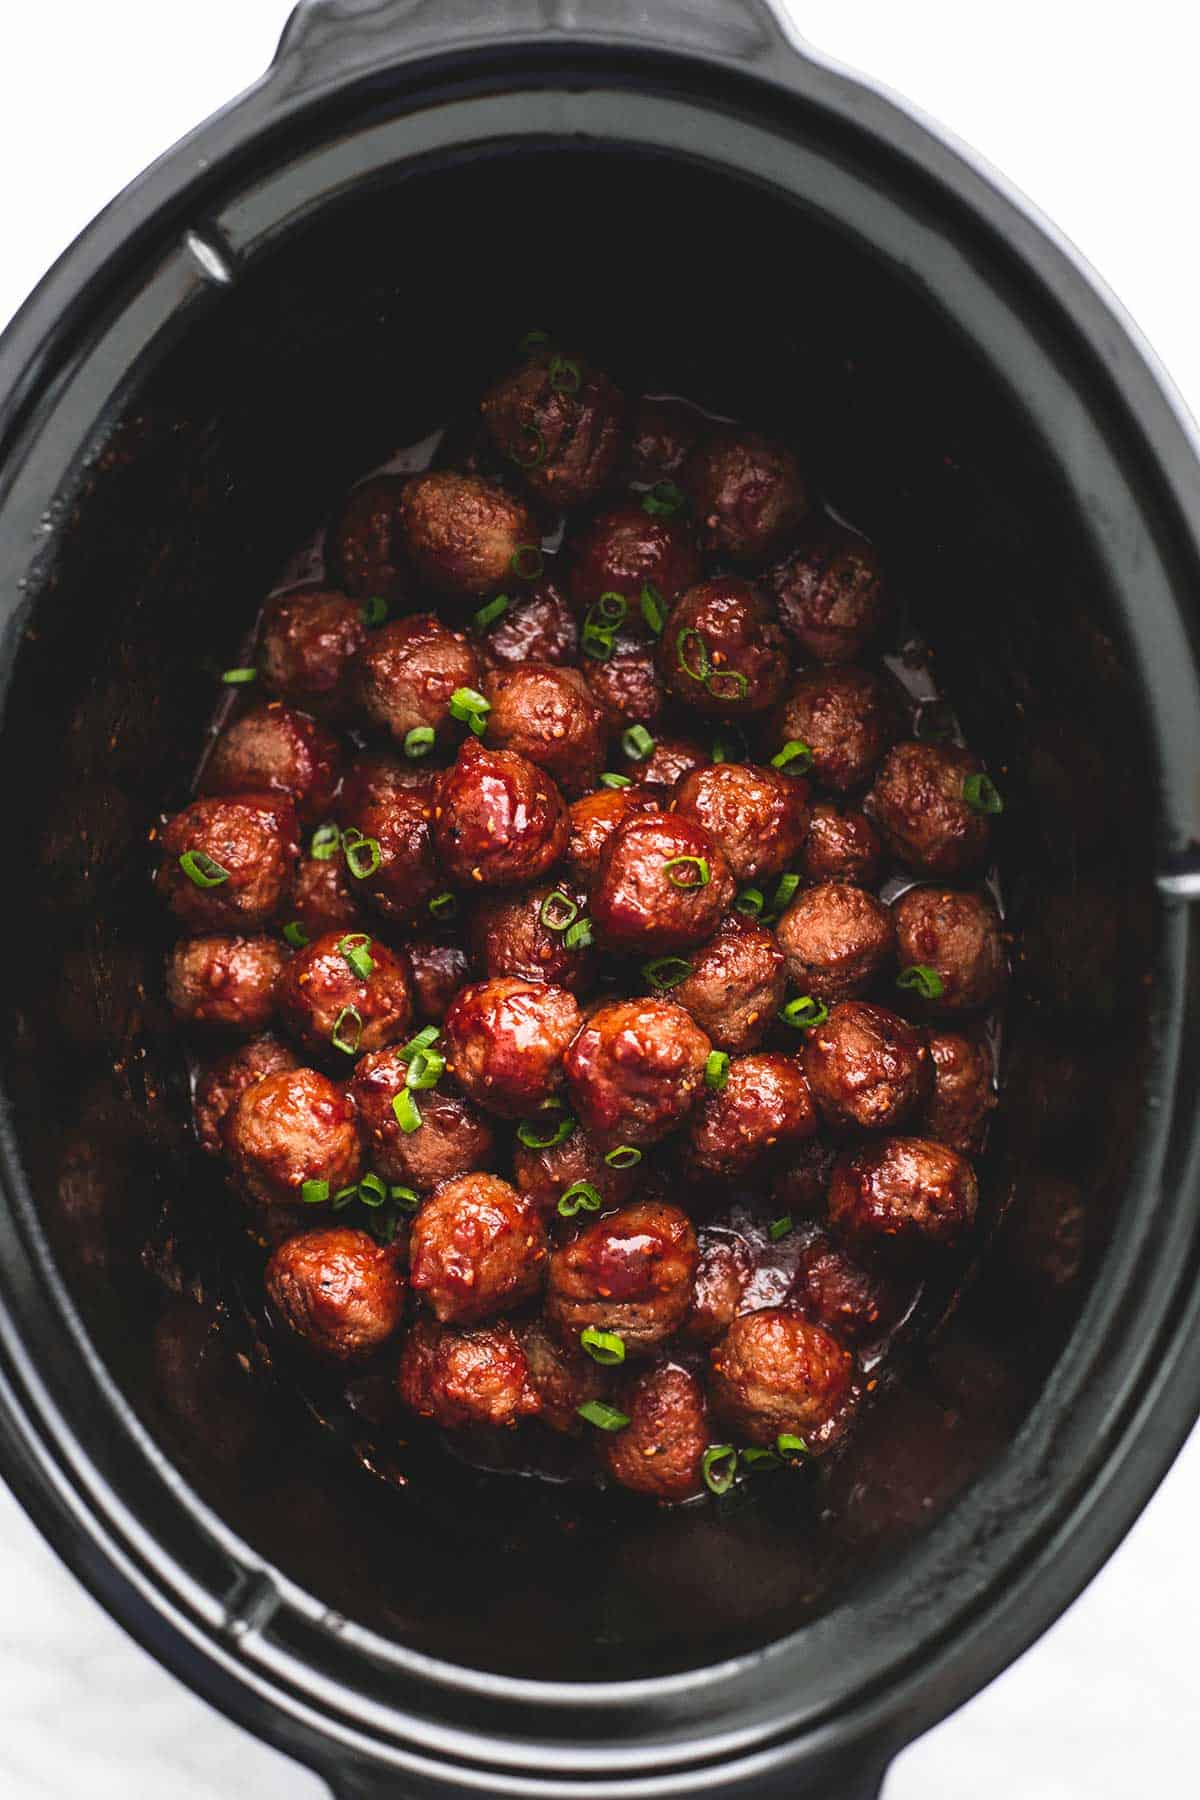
(319, 274)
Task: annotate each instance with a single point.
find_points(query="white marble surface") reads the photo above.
(1091, 109)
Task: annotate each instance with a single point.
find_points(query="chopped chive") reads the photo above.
(495, 609)
(579, 935)
(701, 878)
(703, 667)
(375, 610)
(537, 1137)
(637, 743)
(363, 855)
(795, 755)
(805, 1013)
(922, 980)
(558, 910)
(581, 1196)
(344, 1196)
(653, 609)
(295, 935)
(429, 1034)
(602, 1416)
(784, 893)
(750, 902)
(779, 1228)
(597, 640)
(788, 1444)
(419, 741)
(609, 780)
(609, 609)
(425, 1069)
(325, 841)
(356, 948)
(716, 1070)
(604, 1347)
(347, 1031)
(718, 1466)
(371, 1191)
(527, 562)
(407, 1112)
(313, 1193)
(470, 708)
(444, 906)
(406, 1198)
(662, 500)
(982, 795)
(625, 1156)
(666, 971)
(756, 1458)
(239, 677)
(201, 870)
(739, 689)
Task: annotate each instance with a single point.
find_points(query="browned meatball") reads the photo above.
(800, 1188)
(227, 863)
(661, 1450)
(842, 845)
(548, 716)
(500, 820)
(387, 810)
(544, 1175)
(722, 651)
(724, 1270)
(321, 899)
(221, 1084)
(275, 750)
(506, 1040)
(829, 593)
(867, 1068)
(630, 1273)
(559, 420)
(477, 1248)
(958, 937)
(902, 1194)
(775, 1372)
(452, 1138)
(836, 939)
(670, 759)
(226, 981)
(962, 1095)
(563, 1378)
(758, 816)
(438, 971)
(525, 933)
(662, 884)
(462, 1378)
(346, 994)
(408, 672)
(635, 1071)
(462, 533)
(338, 1291)
(292, 1127)
(308, 641)
(593, 821)
(855, 1304)
(919, 802)
(846, 716)
(748, 492)
(763, 1110)
(737, 984)
(361, 546)
(625, 682)
(537, 627)
(662, 434)
(624, 550)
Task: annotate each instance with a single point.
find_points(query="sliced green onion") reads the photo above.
(779, 1228)
(609, 780)
(371, 1191)
(406, 1198)
(566, 376)
(666, 971)
(625, 1156)
(701, 878)
(716, 1070)
(533, 340)
(407, 1112)
(805, 1013)
(347, 1031)
(419, 741)
(579, 935)
(750, 902)
(610, 609)
(201, 870)
(527, 562)
(471, 708)
(495, 609)
(444, 906)
(425, 1069)
(356, 948)
(784, 893)
(295, 935)
(428, 1035)
(703, 668)
(653, 610)
(597, 641)
(239, 677)
(539, 1137)
(375, 610)
(538, 451)
(325, 841)
(662, 500)
(604, 1347)
(602, 1416)
(756, 1458)
(788, 1444)
(581, 1196)
(313, 1193)
(795, 755)
(344, 1196)
(718, 1466)
(922, 980)
(382, 1226)
(363, 855)
(982, 795)
(637, 743)
(558, 910)
(740, 688)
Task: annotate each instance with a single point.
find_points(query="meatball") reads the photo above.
(748, 492)
(387, 809)
(562, 1378)
(538, 627)
(763, 1110)
(452, 1138)
(736, 986)
(227, 863)
(775, 1372)
(758, 816)
(661, 1450)
(461, 1378)
(842, 845)
(321, 899)
(506, 1040)
(962, 1095)
(635, 1070)
(525, 933)
(438, 971)
(800, 1189)
(361, 546)
(722, 651)
(670, 759)
(593, 821)
(662, 435)
(626, 550)
(724, 1270)
(347, 994)
(560, 421)
(338, 1291)
(625, 682)
(225, 981)
(500, 820)
(867, 1068)
(292, 1127)
(829, 593)
(630, 1273)
(856, 1305)
(464, 535)
(902, 1194)
(848, 717)
(477, 1248)
(221, 1084)
(308, 641)
(274, 750)
(662, 884)
(836, 939)
(548, 716)
(408, 672)
(919, 802)
(958, 937)
(544, 1175)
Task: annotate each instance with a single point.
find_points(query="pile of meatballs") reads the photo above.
(529, 911)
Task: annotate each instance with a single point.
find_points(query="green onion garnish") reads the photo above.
(565, 375)
(604, 1347)
(419, 741)
(581, 1196)
(662, 500)
(375, 610)
(470, 708)
(325, 840)
(795, 755)
(558, 910)
(666, 971)
(625, 1156)
(653, 609)
(788, 1444)
(428, 1035)
(637, 743)
(686, 880)
(609, 609)
(444, 906)
(295, 935)
(922, 980)
(363, 855)
(784, 892)
(702, 667)
(740, 684)
(540, 1137)
(579, 935)
(602, 1416)
(718, 1466)
(347, 1031)
(407, 1112)
(609, 780)
(425, 1069)
(344, 1196)
(313, 1193)
(239, 677)
(779, 1228)
(750, 902)
(371, 1191)
(597, 640)
(805, 1013)
(356, 948)
(201, 870)
(406, 1198)
(982, 795)
(537, 452)
(716, 1070)
(495, 609)
(533, 341)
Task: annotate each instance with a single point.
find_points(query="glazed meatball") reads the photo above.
(438, 971)
(662, 884)
(227, 863)
(919, 802)
(800, 1189)
(506, 1040)
(462, 1378)
(758, 816)
(525, 933)
(452, 1138)
(562, 1378)
(274, 750)
(722, 651)
(670, 759)
(221, 1084)
(361, 546)
(962, 1095)
(387, 810)
(593, 821)
(662, 435)
(775, 1372)
(868, 1069)
(625, 683)
(624, 550)
(548, 716)
(721, 1278)
(836, 939)
(477, 1248)
(538, 627)
(661, 1450)
(737, 984)
(842, 845)
(291, 1127)
(227, 981)
(856, 1305)
(630, 1273)
(748, 492)
(829, 593)
(321, 899)
(345, 995)
(560, 421)
(464, 535)
(544, 1175)
(500, 820)
(408, 672)
(308, 641)
(846, 716)
(338, 1291)
(958, 937)
(763, 1110)
(902, 1194)
(635, 1071)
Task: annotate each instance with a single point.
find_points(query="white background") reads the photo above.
(1092, 109)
